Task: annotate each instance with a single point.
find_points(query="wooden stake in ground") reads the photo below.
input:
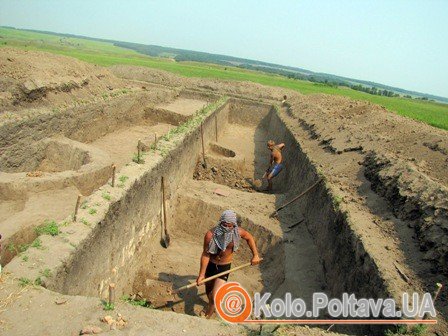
(78, 201)
(111, 293)
(113, 175)
(216, 128)
(204, 164)
(275, 213)
(138, 151)
(155, 140)
(213, 277)
(166, 238)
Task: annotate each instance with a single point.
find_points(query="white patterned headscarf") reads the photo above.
(222, 235)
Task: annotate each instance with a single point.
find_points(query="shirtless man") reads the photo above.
(219, 245)
(275, 162)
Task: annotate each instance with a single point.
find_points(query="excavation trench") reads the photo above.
(47, 160)
(309, 248)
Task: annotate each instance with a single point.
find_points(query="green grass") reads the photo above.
(106, 195)
(106, 54)
(141, 303)
(107, 306)
(49, 228)
(37, 243)
(24, 282)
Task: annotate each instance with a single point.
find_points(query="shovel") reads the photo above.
(166, 237)
(275, 213)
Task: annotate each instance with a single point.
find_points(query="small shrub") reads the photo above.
(106, 196)
(49, 228)
(108, 306)
(37, 243)
(24, 282)
(138, 160)
(46, 273)
(141, 303)
(92, 211)
(23, 247)
(419, 330)
(11, 248)
(85, 222)
(123, 178)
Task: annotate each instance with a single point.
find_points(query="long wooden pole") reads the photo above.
(213, 277)
(296, 198)
(167, 239)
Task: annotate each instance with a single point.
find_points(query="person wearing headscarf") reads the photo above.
(219, 245)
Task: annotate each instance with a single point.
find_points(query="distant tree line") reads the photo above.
(374, 91)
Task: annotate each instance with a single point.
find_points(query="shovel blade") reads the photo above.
(165, 241)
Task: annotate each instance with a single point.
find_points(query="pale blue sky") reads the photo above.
(402, 43)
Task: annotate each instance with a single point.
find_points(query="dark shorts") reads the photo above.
(276, 169)
(213, 269)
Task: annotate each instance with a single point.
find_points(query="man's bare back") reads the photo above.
(275, 162)
(276, 154)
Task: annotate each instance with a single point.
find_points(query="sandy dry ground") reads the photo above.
(184, 106)
(121, 145)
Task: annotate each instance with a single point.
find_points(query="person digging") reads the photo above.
(219, 245)
(275, 163)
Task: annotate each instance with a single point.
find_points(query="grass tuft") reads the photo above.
(49, 228)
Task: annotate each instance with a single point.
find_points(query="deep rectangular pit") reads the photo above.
(124, 246)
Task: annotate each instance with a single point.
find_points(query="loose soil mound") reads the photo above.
(33, 79)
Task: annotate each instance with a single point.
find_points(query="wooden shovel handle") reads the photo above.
(297, 197)
(214, 277)
(164, 205)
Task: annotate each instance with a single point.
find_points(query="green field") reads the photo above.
(104, 53)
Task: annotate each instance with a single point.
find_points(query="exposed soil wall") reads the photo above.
(46, 156)
(165, 116)
(72, 163)
(416, 199)
(248, 113)
(347, 265)
(107, 255)
(84, 124)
